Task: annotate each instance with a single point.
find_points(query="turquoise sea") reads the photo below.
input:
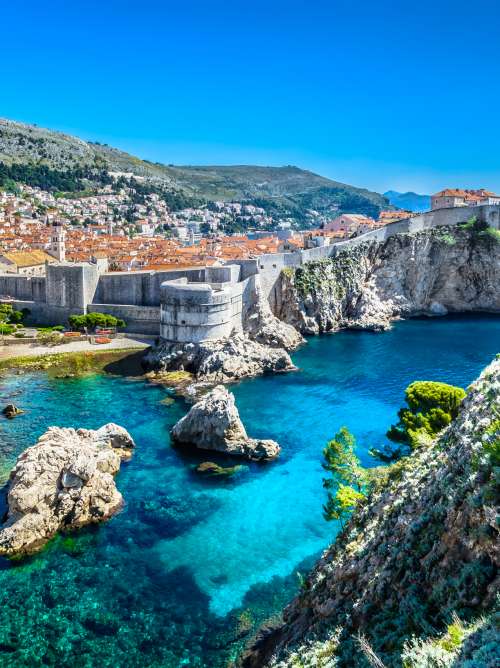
(182, 575)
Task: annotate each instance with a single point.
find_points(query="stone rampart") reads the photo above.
(195, 312)
(204, 301)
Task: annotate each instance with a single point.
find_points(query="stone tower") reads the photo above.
(58, 242)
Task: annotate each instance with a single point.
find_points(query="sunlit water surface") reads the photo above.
(182, 574)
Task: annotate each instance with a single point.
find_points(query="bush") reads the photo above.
(94, 320)
(8, 315)
(48, 337)
(6, 328)
(431, 408)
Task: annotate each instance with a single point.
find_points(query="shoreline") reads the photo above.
(123, 356)
(33, 350)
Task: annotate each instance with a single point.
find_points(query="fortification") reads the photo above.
(191, 305)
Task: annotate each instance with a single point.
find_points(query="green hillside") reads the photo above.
(45, 158)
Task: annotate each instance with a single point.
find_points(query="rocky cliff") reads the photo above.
(447, 269)
(414, 571)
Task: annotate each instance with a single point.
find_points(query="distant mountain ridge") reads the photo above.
(284, 190)
(409, 201)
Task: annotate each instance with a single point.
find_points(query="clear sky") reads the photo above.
(401, 95)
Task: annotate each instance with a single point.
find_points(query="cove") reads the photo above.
(191, 565)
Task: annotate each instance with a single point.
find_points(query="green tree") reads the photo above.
(342, 503)
(347, 477)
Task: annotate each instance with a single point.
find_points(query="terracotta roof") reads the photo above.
(32, 258)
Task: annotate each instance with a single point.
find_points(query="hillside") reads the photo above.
(282, 191)
(409, 201)
(412, 581)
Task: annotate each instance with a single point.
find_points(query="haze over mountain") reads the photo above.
(409, 201)
(41, 157)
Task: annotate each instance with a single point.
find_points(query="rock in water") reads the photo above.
(64, 481)
(10, 411)
(214, 424)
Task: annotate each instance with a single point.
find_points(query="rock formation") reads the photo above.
(63, 482)
(10, 411)
(213, 423)
(422, 548)
(447, 269)
(221, 361)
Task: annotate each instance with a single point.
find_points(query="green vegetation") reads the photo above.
(64, 164)
(347, 477)
(10, 319)
(42, 176)
(431, 408)
(93, 320)
(481, 230)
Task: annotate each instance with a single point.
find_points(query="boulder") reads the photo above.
(10, 411)
(213, 423)
(63, 482)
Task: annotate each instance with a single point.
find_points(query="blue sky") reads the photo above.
(401, 95)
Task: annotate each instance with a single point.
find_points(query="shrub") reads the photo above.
(48, 337)
(8, 315)
(5, 328)
(431, 407)
(93, 320)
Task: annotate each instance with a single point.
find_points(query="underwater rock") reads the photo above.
(62, 482)
(211, 469)
(213, 423)
(10, 411)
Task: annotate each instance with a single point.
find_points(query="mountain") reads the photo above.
(409, 201)
(37, 155)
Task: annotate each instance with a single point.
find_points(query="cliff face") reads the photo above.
(428, 273)
(420, 549)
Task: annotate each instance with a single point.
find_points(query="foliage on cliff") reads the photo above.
(431, 408)
(420, 553)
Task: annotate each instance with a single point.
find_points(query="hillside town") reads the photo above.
(37, 227)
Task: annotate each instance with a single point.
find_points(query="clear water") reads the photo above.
(182, 574)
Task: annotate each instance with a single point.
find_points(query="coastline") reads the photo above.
(123, 356)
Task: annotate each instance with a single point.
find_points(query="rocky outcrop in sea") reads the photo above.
(220, 361)
(63, 482)
(213, 423)
(414, 575)
(446, 269)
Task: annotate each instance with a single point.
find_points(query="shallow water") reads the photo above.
(184, 571)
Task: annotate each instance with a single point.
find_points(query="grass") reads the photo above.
(63, 365)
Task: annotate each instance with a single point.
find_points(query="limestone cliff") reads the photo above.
(447, 269)
(421, 549)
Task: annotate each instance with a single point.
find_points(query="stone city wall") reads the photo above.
(204, 301)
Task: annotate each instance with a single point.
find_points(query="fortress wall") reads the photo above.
(43, 315)
(200, 312)
(71, 286)
(22, 287)
(138, 319)
(139, 287)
